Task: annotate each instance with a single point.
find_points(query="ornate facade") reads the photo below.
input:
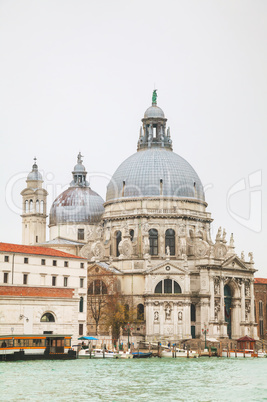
(154, 232)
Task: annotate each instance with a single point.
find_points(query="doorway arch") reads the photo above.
(227, 309)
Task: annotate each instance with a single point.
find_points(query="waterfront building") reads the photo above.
(153, 234)
(260, 289)
(41, 291)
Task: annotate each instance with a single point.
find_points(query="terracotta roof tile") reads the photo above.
(22, 249)
(261, 280)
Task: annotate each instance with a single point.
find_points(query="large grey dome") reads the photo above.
(77, 205)
(155, 172)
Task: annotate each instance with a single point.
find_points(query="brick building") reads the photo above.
(260, 292)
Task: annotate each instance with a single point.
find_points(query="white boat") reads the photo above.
(239, 353)
(100, 354)
(95, 353)
(179, 353)
(123, 355)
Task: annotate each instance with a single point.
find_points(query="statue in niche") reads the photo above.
(247, 310)
(216, 285)
(156, 315)
(168, 252)
(247, 289)
(216, 309)
(168, 311)
(180, 316)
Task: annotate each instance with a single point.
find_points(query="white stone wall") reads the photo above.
(65, 310)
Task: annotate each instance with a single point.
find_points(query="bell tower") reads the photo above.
(34, 208)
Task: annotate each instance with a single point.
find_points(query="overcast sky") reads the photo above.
(79, 75)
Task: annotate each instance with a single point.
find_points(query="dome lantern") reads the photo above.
(34, 175)
(79, 174)
(154, 134)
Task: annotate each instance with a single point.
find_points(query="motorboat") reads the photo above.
(240, 353)
(141, 355)
(103, 353)
(123, 355)
(179, 353)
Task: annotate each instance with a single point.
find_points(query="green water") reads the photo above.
(153, 379)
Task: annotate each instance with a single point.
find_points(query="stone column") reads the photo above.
(212, 317)
(187, 320)
(175, 320)
(149, 318)
(161, 318)
(252, 315)
(221, 313)
(243, 304)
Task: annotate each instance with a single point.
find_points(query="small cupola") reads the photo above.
(154, 134)
(79, 174)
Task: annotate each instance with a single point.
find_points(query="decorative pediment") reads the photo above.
(234, 262)
(167, 267)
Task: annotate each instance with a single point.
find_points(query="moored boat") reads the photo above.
(141, 355)
(36, 347)
(96, 353)
(123, 355)
(179, 353)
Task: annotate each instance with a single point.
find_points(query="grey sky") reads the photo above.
(78, 76)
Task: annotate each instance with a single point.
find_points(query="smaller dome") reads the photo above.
(78, 205)
(79, 168)
(154, 111)
(34, 174)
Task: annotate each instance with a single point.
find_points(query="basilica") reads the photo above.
(153, 234)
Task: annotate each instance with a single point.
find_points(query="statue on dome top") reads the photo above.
(79, 157)
(154, 97)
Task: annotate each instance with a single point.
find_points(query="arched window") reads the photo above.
(158, 288)
(153, 241)
(132, 234)
(118, 240)
(26, 206)
(193, 312)
(227, 309)
(126, 312)
(37, 206)
(170, 241)
(81, 305)
(168, 286)
(97, 287)
(42, 207)
(140, 312)
(47, 317)
(260, 309)
(31, 205)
